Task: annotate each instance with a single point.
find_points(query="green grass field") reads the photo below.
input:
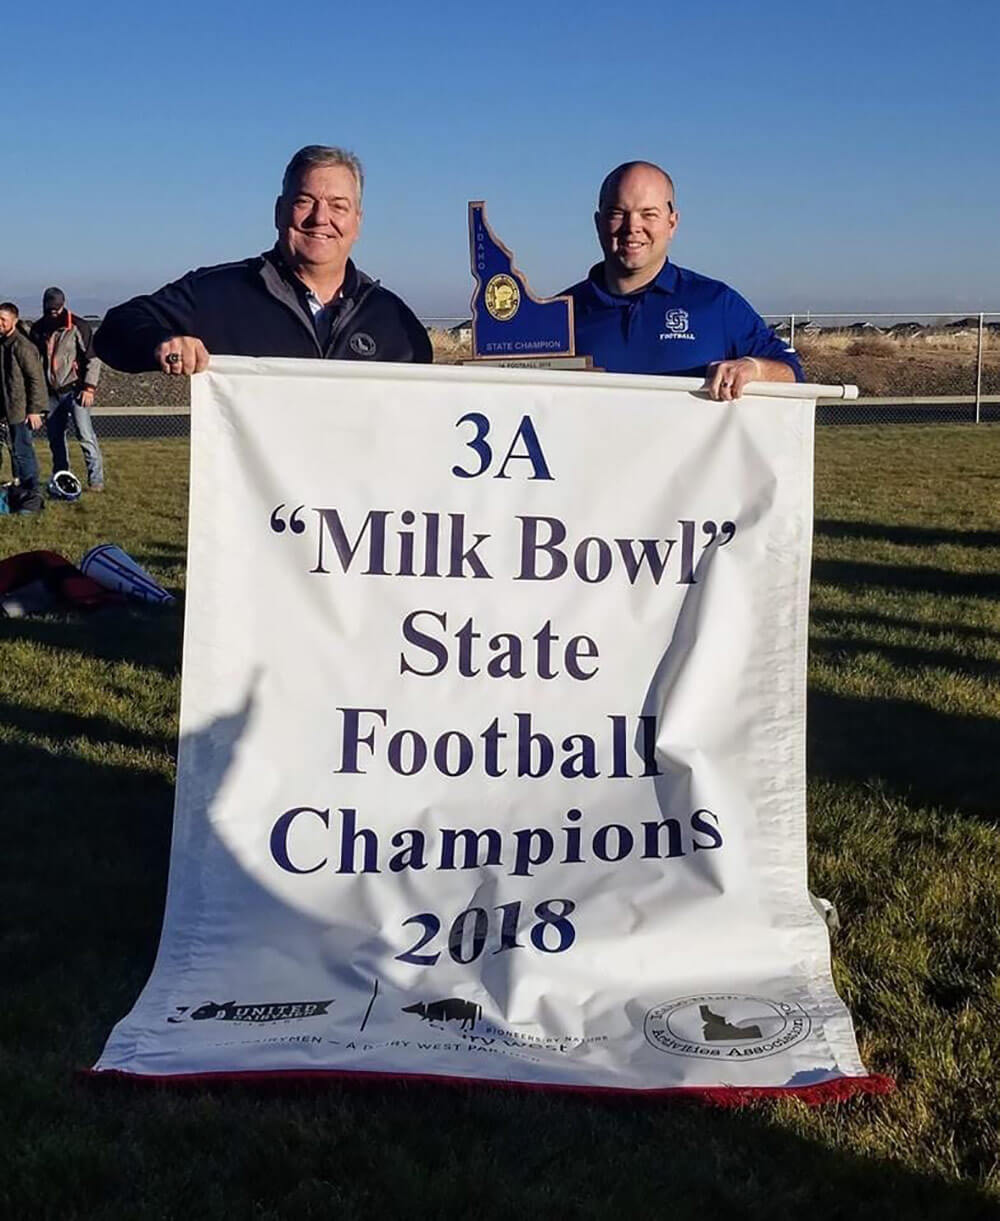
(904, 741)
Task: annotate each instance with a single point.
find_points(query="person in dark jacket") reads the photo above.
(304, 298)
(23, 396)
(66, 346)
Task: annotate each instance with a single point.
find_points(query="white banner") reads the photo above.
(492, 738)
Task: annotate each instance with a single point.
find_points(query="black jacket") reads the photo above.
(258, 308)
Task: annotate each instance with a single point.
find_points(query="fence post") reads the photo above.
(791, 330)
(979, 369)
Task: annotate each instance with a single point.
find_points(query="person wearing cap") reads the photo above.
(22, 395)
(637, 312)
(304, 297)
(72, 371)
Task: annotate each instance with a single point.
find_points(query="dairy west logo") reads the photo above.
(453, 1009)
(362, 344)
(725, 1026)
(676, 322)
(231, 1011)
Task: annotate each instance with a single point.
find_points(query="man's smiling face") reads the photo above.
(636, 222)
(319, 219)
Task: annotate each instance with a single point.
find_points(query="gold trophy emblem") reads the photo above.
(502, 297)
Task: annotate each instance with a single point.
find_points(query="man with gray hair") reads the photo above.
(303, 298)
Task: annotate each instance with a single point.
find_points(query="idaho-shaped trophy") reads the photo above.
(510, 325)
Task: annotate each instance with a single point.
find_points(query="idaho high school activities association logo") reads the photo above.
(503, 297)
(725, 1026)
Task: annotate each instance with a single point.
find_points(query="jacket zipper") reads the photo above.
(341, 322)
(296, 310)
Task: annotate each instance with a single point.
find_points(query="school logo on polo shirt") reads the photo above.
(676, 321)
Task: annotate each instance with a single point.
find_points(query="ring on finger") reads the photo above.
(174, 358)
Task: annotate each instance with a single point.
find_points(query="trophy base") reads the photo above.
(531, 362)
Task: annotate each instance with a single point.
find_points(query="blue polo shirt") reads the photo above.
(678, 324)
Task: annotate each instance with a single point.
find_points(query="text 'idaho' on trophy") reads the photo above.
(510, 325)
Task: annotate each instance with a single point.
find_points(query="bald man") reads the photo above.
(637, 312)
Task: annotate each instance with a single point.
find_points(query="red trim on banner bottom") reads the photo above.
(837, 1090)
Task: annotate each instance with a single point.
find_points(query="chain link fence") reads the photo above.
(909, 368)
(914, 368)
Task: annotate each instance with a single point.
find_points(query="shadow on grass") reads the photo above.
(151, 560)
(171, 548)
(161, 554)
(918, 536)
(82, 876)
(935, 756)
(850, 575)
(905, 656)
(84, 868)
(143, 636)
(880, 622)
(426, 1151)
(65, 726)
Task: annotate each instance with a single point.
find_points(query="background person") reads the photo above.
(23, 395)
(72, 371)
(304, 297)
(639, 313)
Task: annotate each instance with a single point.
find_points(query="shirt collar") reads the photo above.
(348, 289)
(665, 282)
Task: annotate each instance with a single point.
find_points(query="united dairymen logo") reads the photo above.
(233, 1011)
(676, 322)
(725, 1026)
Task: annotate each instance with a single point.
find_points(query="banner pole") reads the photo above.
(391, 374)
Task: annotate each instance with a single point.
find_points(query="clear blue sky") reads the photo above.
(826, 155)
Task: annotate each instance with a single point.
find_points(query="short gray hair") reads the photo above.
(322, 154)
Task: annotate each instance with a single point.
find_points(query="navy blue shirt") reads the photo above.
(678, 324)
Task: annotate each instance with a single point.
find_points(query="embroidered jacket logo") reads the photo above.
(362, 344)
